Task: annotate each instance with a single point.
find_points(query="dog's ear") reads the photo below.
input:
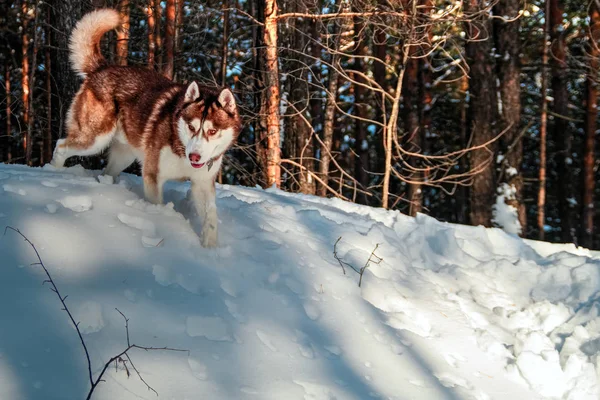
(192, 93)
(227, 100)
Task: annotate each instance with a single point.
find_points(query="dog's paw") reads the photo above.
(106, 179)
(57, 161)
(209, 238)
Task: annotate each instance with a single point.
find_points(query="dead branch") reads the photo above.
(373, 259)
(62, 298)
(116, 359)
(342, 15)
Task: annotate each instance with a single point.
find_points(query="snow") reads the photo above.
(77, 203)
(89, 316)
(452, 312)
(505, 215)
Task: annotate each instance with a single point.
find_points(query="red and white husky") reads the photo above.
(175, 131)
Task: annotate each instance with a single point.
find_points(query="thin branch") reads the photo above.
(60, 297)
(373, 259)
(341, 15)
(116, 359)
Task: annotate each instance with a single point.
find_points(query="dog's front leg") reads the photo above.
(203, 192)
(153, 185)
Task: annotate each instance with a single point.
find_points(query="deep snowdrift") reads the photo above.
(451, 312)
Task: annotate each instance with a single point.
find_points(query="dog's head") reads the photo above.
(208, 123)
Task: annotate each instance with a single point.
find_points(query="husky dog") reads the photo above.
(174, 131)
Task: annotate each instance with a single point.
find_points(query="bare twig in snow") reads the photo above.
(373, 259)
(123, 357)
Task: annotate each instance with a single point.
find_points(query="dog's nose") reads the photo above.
(194, 157)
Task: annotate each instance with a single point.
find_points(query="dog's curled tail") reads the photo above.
(84, 45)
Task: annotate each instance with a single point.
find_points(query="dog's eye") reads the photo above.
(191, 127)
(212, 132)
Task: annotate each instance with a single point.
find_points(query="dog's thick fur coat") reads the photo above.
(175, 131)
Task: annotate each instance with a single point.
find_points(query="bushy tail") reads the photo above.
(84, 45)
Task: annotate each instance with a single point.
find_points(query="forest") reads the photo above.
(474, 112)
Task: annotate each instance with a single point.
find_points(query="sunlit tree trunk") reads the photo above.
(123, 33)
(272, 167)
(158, 37)
(168, 67)
(31, 106)
(9, 139)
(150, 16)
(591, 127)
(25, 88)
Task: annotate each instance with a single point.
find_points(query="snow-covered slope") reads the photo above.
(451, 312)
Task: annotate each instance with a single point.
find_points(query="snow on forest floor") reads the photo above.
(452, 312)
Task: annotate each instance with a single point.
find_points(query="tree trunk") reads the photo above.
(158, 38)
(272, 167)
(591, 126)
(541, 201)
(508, 46)
(258, 79)
(31, 105)
(562, 135)
(47, 146)
(225, 47)
(410, 98)
(123, 33)
(65, 14)
(425, 96)
(169, 64)
(9, 139)
(482, 112)
(178, 38)
(151, 17)
(389, 132)
(332, 89)
(391, 125)
(330, 105)
(25, 88)
(301, 132)
(361, 163)
(224, 51)
(305, 152)
(462, 213)
(307, 182)
(380, 76)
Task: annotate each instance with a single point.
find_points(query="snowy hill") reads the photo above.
(451, 312)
